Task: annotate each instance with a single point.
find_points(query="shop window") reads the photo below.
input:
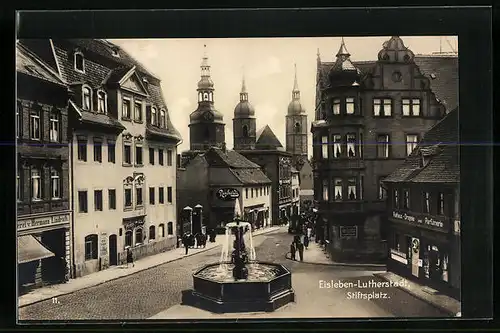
(161, 230)
(152, 234)
(111, 151)
(337, 145)
(126, 109)
(36, 185)
(325, 190)
(112, 199)
(82, 149)
(82, 202)
(351, 189)
(161, 195)
(441, 203)
(383, 146)
(55, 182)
(160, 157)
(35, 124)
(54, 127)
(151, 195)
(170, 228)
(169, 194)
(338, 189)
(138, 111)
(396, 198)
(351, 145)
(411, 143)
(324, 146)
(427, 202)
(91, 247)
(98, 200)
(169, 157)
(336, 106)
(138, 236)
(87, 98)
(128, 238)
(406, 199)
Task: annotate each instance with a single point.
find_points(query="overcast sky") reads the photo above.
(268, 65)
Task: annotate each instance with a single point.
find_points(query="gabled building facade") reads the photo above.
(369, 118)
(423, 210)
(43, 173)
(123, 148)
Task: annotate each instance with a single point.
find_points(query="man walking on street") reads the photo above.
(293, 251)
(185, 242)
(306, 241)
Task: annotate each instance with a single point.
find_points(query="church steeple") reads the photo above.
(295, 91)
(343, 54)
(205, 85)
(243, 93)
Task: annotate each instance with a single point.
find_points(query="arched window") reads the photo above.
(245, 131)
(54, 126)
(138, 236)
(162, 118)
(86, 98)
(200, 96)
(205, 96)
(153, 116)
(55, 182)
(170, 227)
(91, 247)
(101, 101)
(128, 238)
(297, 128)
(79, 62)
(152, 234)
(36, 184)
(161, 230)
(210, 97)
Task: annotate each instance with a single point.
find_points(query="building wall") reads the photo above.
(240, 142)
(296, 142)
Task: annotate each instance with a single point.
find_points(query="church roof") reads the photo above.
(266, 139)
(228, 158)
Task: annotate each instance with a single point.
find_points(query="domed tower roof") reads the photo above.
(394, 50)
(244, 109)
(295, 107)
(344, 72)
(205, 80)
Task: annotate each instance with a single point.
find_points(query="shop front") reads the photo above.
(43, 250)
(257, 215)
(421, 249)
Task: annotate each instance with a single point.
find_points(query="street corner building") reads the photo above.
(423, 222)
(369, 117)
(43, 179)
(122, 152)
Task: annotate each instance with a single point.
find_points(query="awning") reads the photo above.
(30, 249)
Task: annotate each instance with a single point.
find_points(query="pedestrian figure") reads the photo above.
(300, 247)
(198, 240)
(309, 232)
(293, 251)
(130, 258)
(306, 241)
(185, 242)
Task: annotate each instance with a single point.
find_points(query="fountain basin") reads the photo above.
(268, 287)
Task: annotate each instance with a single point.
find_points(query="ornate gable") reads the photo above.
(132, 82)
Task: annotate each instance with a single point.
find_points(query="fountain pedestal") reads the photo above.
(243, 284)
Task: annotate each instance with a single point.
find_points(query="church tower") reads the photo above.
(296, 127)
(206, 125)
(244, 123)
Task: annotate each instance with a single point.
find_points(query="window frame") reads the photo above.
(39, 178)
(128, 238)
(139, 195)
(35, 119)
(413, 143)
(152, 198)
(55, 177)
(163, 119)
(83, 201)
(382, 191)
(112, 199)
(152, 232)
(154, 115)
(336, 106)
(54, 126)
(86, 88)
(337, 185)
(348, 103)
(411, 103)
(170, 154)
(170, 228)
(138, 231)
(161, 158)
(161, 230)
(396, 198)
(337, 145)
(325, 193)
(126, 101)
(406, 199)
(98, 200)
(161, 195)
(324, 147)
(93, 254)
(351, 143)
(82, 149)
(111, 151)
(138, 116)
(426, 200)
(138, 147)
(169, 195)
(382, 102)
(101, 93)
(441, 204)
(97, 149)
(75, 62)
(151, 154)
(385, 145)
(128, 188)
(127, 143)
(350, 187)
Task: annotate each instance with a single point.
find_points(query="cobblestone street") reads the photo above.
(156, 293)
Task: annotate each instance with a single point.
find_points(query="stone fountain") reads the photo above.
(238, 282)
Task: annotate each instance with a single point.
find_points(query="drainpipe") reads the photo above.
(73, 265)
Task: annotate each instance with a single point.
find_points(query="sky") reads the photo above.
(268, 67)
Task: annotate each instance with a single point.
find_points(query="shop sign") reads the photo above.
(422, 220)
(399, 259)
(227, 194)
(348, 232)
(133, 223)
(104, 244)
(42, 222)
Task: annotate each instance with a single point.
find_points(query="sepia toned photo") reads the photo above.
(228, 178)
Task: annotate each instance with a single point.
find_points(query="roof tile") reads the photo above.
(266, 139)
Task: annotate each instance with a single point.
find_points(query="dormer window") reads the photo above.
(79, 62)
(162, 118)
(114, 52)
(153, 116)
(101, 101)
(86, 98)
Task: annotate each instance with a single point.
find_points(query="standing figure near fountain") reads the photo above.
(239, 257)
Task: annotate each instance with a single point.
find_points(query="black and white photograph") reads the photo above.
(238, 178)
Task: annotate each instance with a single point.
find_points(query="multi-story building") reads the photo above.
(43, 173)
(123, 148)
(423, 210)
(369, 118)
(263, 148)
(225, 184)
(295, 192)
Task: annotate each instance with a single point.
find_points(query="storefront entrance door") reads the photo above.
(113, 259)
(415, 256)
